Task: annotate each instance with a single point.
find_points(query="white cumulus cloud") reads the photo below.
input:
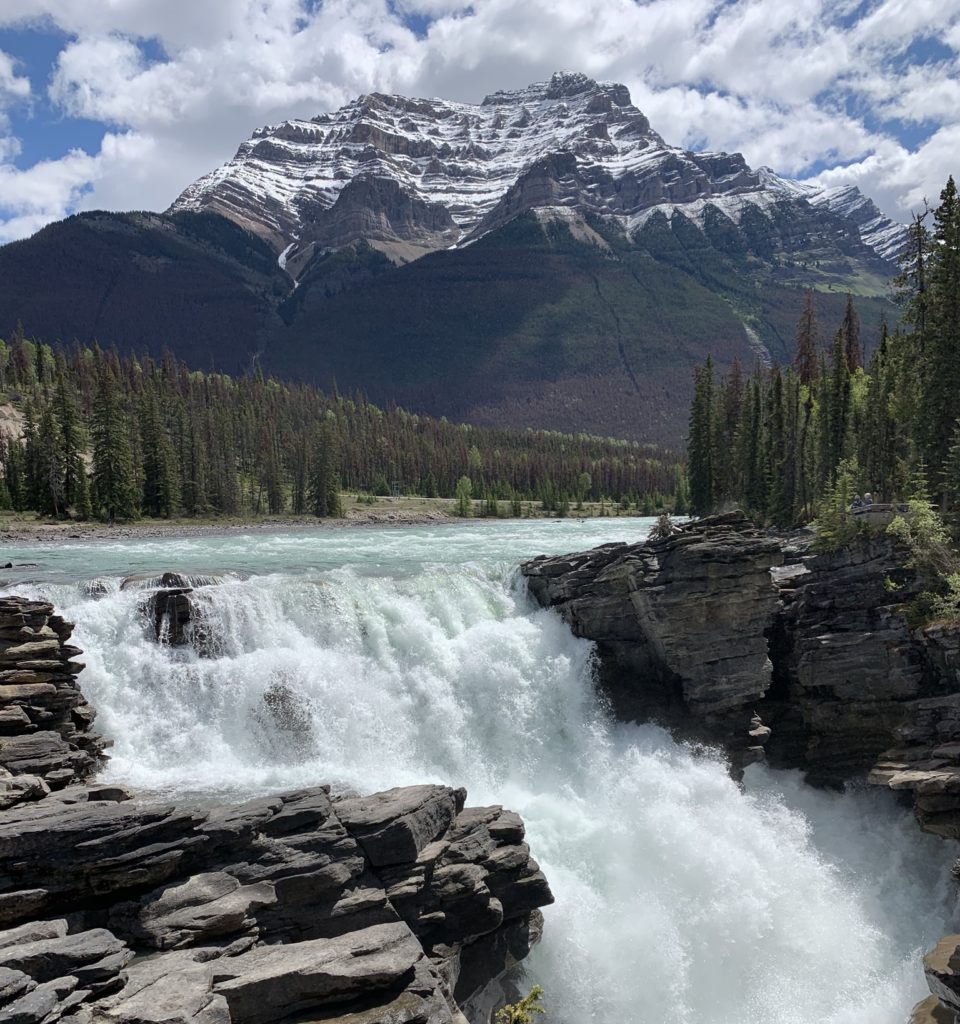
(809, 87)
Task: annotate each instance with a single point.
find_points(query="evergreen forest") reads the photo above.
(116, 438)
(788, 443)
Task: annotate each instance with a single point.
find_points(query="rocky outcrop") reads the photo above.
(925, 757)
(394, 906)
(174, 615)
(680, 625)
(754, 642)
(46, 739)
(398, 907)
(941, 966)
(847, 661)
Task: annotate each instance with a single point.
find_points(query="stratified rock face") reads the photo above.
(924, 758)
(46, 740)
(680, 623)
(393, 906)
(813, 661)
(415, 175)
(849, 661)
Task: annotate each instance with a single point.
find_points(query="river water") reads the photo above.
(415, 655)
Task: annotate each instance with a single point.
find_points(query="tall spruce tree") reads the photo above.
(808, 340)
(941, 404)
(50, 464)
(324, 489)
(850, 328)
(838, 421)
(700, 445)
(73, 439)
(161, 487)
(114, 479)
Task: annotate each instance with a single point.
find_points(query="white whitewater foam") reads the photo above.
(679, 897)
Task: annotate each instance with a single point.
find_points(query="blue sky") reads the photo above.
(120, 104)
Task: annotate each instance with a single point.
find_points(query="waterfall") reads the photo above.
(680, 896)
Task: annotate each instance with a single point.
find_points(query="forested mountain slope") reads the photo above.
(542, 259)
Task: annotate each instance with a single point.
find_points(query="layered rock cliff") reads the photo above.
(400, 907)
(415, 175)
(46, 740)
(720, 625)
(680, 624)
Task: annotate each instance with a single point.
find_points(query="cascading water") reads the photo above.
(375, 658)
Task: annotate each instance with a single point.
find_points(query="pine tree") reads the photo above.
(951, 478)
(700, 446)
(781, 452)
(808, 340)
(72, 434)
(50, 462)
(84, 504)
(193, 462)
(941, 400)
(850, 329)
(161, 491)
(113, 471)
(324, 489)
(750, 446)
(838, 420)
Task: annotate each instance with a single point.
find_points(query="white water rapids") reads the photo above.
(414, 655)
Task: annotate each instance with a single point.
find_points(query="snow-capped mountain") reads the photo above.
(541, 259)
(885, 236)
(415, 175)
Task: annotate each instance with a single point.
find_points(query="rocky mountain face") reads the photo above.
(402, 907)
(541, 259)
(414, 175)
(803, 660)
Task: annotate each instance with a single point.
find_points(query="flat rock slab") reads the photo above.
(35, 931)
(94, 957)
(14, 984)
(44, 1002)
(175, 988)
(271, 982)
(394, 826)
(206, 906)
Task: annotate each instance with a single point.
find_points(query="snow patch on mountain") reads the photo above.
(416, 175)
(885, 236)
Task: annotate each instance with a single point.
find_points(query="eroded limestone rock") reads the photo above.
(46, 736)
(680, 624)
(392, 906)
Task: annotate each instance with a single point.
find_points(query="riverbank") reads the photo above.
(24, 528)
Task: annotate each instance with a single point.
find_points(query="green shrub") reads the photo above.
(922, 532)
(522, 1012)
(835, 526)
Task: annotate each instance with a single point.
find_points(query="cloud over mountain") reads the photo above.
(862, 93)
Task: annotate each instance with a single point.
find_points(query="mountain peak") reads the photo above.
(411, 175)
(562, 85)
